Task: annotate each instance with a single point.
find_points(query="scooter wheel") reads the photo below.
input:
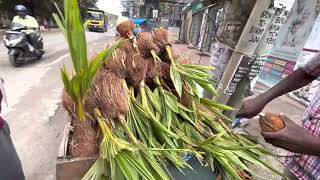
(14, 62)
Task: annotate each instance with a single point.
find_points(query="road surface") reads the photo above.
(34, 96)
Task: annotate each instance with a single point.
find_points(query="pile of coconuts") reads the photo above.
(128, 63)
(145, 100)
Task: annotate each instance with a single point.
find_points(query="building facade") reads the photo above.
(167, 12)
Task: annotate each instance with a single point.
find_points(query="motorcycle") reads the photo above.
(20, 50)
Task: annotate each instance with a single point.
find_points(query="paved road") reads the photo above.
(34, 92)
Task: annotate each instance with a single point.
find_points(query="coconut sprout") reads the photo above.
(149, 111)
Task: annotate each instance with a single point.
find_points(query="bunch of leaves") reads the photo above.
(159, 130)
(78, 85)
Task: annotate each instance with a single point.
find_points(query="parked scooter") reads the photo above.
(20, 49)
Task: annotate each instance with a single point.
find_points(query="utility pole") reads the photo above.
(235, 83)
(231, 22)
(231, 93)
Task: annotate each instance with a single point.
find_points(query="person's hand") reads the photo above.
(292, 138)
(251, 107)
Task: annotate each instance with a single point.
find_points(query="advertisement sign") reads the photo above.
(296, 30)
(272, 32)
(247, 67)
(256, 26)
(290, 41)
(287, 4)
(311, 48)
(219, 59)
(258, 37)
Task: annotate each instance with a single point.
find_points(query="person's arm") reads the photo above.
(296, 80)
(299, 78)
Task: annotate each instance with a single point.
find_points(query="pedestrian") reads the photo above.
(39, 22)
(10, 165)
(46, 24)
(303, 162)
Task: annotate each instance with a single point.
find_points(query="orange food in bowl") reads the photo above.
(271, 122)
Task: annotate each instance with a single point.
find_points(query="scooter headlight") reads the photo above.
(13, 42)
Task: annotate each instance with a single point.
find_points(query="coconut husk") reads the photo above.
(165, 77)
(166, 70)
(271, 122)
(244, 175)
(84, 141)
(124, 28)
(186, 98)
(145, 44)
(90, 102)
(158, 68)
(68, 103)
(136, 69)
(127, 47)
(161, 38)
(110, 95)
(116, 63)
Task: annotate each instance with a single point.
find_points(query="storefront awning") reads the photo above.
(138, 21)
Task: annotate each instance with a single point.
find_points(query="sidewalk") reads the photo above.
(193, 53)
(284, 104)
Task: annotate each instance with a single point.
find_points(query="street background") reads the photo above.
(37, 119)
(253, 44)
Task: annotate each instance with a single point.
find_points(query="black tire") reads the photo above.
(40, 56)
(41, 53)
(14, 62)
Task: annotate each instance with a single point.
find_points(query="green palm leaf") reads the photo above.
(176, 79)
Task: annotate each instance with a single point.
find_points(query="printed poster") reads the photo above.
(311, 48)
(295, 32)
(290, 41)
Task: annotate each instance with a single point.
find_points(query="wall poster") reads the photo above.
(290, 41)
(311, 49)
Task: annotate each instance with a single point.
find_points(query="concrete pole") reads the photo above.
(247, 45)
(234, 16)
